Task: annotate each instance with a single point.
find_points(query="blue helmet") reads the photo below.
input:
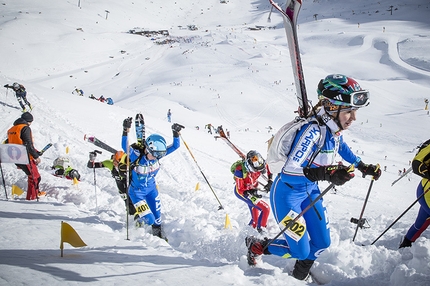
(156, 145)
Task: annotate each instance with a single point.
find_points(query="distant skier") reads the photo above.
(169, 115)
(246, 173)
(21, 95)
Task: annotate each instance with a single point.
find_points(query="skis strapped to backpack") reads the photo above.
(98, 143)
(289, 14)
(140, 129)
(235, 149)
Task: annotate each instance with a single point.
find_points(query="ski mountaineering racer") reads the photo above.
(143, 189)
(312, 159)
(246, 173)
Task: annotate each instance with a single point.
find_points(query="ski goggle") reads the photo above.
(257, 161)
(354, 99)
(157, 154)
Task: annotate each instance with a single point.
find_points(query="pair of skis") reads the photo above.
(289, 15)
(140, 135)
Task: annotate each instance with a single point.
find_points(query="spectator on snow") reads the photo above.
(143, 189)
(421, 167)
(21, 134)
(246, 173)
(21, 95)
(296, 186)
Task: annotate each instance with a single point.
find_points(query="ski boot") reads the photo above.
(302, 268)
(405, 243)
(158, 231)
(255, 248)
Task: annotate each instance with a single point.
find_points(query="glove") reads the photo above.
(336, 174)
(268, 186)
(126, 124)
(176, 128)
(93, 156)
(39, 153)
(371, 170)
(6, 85)
(252, 192)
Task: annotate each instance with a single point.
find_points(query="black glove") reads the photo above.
(6, 85)
(336, 174)
(92, 156)
(126, 124)
(371, 170)
(252, 192)
(268, 186)
(176, 128)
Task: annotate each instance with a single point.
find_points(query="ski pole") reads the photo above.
(127, 174)
(95, 182)
(293, 221)
(402, 214)
(365, 203)
(404, 174)
(4, 183)
(185, 143)
(268, 18)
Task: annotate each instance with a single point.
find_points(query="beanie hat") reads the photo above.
(27, 116)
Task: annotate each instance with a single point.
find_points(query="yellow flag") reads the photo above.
(69, 235)
(197, 186)
(75, 181)
(16, 190)
(67, 150)
(227, 222)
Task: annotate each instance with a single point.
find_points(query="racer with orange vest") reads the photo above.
(246, 173)
(20, 133)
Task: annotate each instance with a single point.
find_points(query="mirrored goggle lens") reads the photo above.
(256, 161)
(158, 154)
(360, 98)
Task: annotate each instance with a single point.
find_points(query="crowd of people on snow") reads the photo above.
(295, 163)
(107, 100)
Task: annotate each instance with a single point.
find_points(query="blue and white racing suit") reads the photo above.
(143, 188)
(292, 192)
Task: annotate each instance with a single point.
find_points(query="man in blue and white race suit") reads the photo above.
(312, 158)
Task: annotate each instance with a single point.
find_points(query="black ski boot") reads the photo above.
(157, 231)
(256, 247)
(405, 243)
(302, 268)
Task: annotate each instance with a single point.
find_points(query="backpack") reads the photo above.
(61, 162)
(280, 144)
(235, 165)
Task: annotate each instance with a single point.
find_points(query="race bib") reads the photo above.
(297, 229)
(254, 200)
(142, 208)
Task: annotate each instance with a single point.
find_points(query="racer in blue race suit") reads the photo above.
(312, 159)
(143, 188)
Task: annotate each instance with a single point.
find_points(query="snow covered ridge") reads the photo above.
(242, 80)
